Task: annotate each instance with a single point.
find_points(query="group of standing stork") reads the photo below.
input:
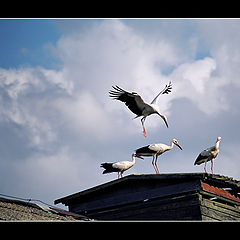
(142, 109)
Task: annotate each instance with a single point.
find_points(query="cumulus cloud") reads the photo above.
(70, 123)
(196, 82)
(112, 53)
(26, 95)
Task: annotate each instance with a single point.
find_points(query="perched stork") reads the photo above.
(136, 104)
(208, 155)
(155, 150)
(118, 167)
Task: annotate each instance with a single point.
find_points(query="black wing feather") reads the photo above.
(131, 100)
(143, 150)
(168, 88)
(200, 159)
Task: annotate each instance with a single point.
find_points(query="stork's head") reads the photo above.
(218, 139)
(135, 155)
(176, 143)
(156, 110)
(164, 117)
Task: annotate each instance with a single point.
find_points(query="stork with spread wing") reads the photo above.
(136, 104)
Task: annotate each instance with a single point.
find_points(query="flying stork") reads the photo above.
(136, 104)
(118, 167)
(208, 155)
(155, 150)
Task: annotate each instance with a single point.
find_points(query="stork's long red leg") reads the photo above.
(212, 166)
(144, 130)
(156, 166)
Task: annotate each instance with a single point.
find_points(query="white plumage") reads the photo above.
(155, 150)
(118, 167)
(208, 155)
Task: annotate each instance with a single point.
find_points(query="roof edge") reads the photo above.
(164, 176)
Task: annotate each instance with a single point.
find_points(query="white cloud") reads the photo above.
(48, 176)
(112, 53)
(26, 100)
(85, 115)
(198, 73)
(222, 38)
(72, 125)
(75, 98)
(196, 82)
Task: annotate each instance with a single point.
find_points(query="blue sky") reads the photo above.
(57, 123)
(24, 41)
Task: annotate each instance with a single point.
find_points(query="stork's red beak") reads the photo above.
(179, 146)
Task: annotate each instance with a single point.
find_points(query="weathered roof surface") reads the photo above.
(220, 192)
(15, 210)
(217, 180)
(175, 196)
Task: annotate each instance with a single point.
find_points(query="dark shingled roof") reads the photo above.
(15, 210)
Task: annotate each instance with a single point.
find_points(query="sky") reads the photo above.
(58, 124)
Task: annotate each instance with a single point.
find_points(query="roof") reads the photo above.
(175, 196)
(219, 181)
(15, 210)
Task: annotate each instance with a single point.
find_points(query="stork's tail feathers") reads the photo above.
(108, 167)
